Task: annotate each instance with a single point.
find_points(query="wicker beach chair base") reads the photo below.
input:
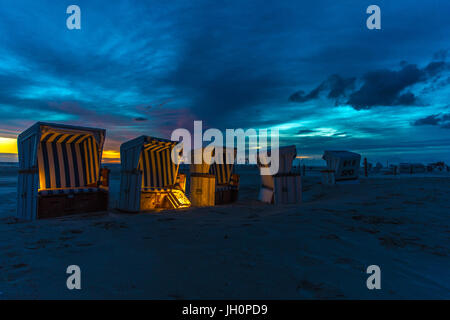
(59, 203)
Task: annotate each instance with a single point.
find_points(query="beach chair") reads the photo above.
(344, 164)
(227, 182)
(59, 171)
(202, 182)
(149, 178)
(285, 186)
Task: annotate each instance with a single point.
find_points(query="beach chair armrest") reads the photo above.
(180, 182)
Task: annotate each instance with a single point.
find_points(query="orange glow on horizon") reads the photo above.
(111, 156)
(8, 145)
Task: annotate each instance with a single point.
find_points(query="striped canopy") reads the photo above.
(68, 159)
(155, 162)
(223, 171)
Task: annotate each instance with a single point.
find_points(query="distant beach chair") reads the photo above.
(227, 182)
(344, 165)
(405, 168)
(284, 187)
(418, 168)
(149, 178)
(59, 171)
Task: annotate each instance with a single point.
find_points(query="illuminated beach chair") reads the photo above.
(285, 186)
(59, 171)
(149, 178)
(227, 182)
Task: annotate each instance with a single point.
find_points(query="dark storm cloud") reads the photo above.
(435, 67)
(378, 88)
(224, 78)
(385, 87)
(302, 96)
(335, 85)
(430, 120)
(442, 120)
(230, 64)
(390, 87)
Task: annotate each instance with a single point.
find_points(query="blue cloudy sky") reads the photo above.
(310, 68)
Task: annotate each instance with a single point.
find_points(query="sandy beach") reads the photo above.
(319, 249)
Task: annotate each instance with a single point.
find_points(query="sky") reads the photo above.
(312, 69)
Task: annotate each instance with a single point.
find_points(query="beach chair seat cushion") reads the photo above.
(168, 198)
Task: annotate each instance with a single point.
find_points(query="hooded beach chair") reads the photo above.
(149, 178)
(344, 165)
(285, 186)
(227, 182)
(59, 171)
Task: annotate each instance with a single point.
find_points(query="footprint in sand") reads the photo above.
(84, 244)
(66, 238)
(218, 212)
(73, 231)
(319, 289)
(110, 225)
(341, 260)
(309, 286)
(175, 296)
(41, 243)
(376, 219)
(308, 261)
(12, 254)
(390, 242)
(17, 270)
(371, 231)
(417, 203)
(165, 219)
(330, 237)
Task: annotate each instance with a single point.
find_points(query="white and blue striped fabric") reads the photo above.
(223, 171)
(158, 169)
(68, 160)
